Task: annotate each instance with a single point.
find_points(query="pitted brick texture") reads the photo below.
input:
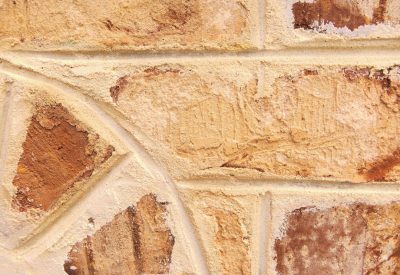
(344, 14)
(223, 225)
(322, 122)
(159, 25)
(136, 241)
(58, 153)
(353, 239)
(200, 137)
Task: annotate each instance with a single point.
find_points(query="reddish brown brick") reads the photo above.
(136, 241)
(349, 239)
(58, 152)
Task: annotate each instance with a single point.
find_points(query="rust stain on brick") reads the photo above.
(391, 95)
(136, 241)
(340, 240)
(119, 86)
(379, 12)
(123, 82)
(169, 17)
(339, 13)
(57, 153)
(378, 170)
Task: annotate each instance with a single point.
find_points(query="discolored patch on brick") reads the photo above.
(350, 239)
(58, 152)
(222, 222)
(136, 241)
(378, 170)
(138, 25)
(342, 14)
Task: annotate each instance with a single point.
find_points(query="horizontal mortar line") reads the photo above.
(290, 185)
(251, 54)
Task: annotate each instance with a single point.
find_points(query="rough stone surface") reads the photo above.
(344, 14)
(58, 152)
(136, 241)
(348, 239)
(223, 225)
(318, 122)
(199, 137)
(176, 24)
(332, 23)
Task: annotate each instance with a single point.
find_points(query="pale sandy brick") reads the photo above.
(335, 122)
(332, 122)
(224, 225)
(138, 25)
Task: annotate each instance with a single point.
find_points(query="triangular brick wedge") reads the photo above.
(52, 156)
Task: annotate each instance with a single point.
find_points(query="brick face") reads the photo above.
(313, 23)
(201, 137)
(55, 144)
(140, 25)
(353, 239)
(136, 241)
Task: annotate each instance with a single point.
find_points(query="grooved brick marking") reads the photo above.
(57, 153)
(136, 241)
(353, 239)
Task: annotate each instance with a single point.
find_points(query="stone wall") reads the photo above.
(200, 137)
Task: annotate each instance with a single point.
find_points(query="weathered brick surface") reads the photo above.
(336, 122)
(315, 22)
(139, 25)
(345, 239)
(199, 137)
(55, 142)
(136, 241)
(332, 122)
(343, 14)
(223, 223)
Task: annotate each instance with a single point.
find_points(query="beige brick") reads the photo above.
(353, 238)
(224, 226)
(334, 122)
(138, 25)
(325, 23)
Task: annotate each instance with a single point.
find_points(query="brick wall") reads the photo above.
(200, 137)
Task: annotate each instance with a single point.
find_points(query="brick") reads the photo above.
(223, 223)
(137, 25)
(334, 122)
(358, 238)
(136, 241)
(318, 21)
(57, 153)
